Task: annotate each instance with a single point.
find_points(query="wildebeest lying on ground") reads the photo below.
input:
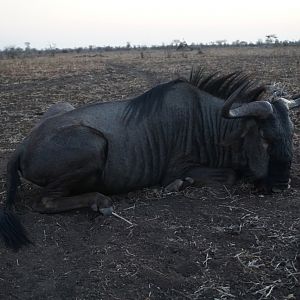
(181, 131)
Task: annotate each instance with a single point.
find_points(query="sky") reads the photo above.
(80, 23)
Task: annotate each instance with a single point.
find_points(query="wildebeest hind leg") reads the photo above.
(70, 167)
(55, 109)
(57, 204)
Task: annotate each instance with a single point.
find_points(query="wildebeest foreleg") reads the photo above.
(179, 184)
(96, 201)
(204, 175)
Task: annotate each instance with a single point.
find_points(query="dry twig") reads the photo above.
(122, 218)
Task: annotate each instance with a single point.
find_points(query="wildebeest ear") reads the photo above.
(292, 104)
(236, 136)
(256, 152)
(232, 139)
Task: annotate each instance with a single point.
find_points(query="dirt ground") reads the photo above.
(202, 243)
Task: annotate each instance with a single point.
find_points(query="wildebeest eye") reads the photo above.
(266, 141)
(263, 135)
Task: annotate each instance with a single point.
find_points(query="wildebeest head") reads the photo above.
(266, 136)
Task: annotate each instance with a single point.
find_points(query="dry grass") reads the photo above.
(201, 243)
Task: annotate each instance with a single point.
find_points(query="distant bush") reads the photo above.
(12, 52)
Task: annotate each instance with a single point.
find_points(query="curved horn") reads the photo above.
(256, 109)
(291, 104)
(225, 112)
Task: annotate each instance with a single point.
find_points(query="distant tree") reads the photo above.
(221, 42)
(259, 42)
(243, 43)
(10, 51)
(27, 46)
(236, 43)
(108, 48)
(285, 43)
(175, 43)
(183, 46)
(52, 49)
(271, 38)
(92, 48)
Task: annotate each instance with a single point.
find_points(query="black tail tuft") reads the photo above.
(12, 232)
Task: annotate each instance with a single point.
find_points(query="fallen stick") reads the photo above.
(118, 216)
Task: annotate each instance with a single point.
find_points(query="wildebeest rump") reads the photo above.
(180, 130)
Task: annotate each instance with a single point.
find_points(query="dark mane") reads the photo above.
(149, 102)
(223, 86)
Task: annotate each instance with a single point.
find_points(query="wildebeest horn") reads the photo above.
(229, 101)
(256, 109)
(293, 103)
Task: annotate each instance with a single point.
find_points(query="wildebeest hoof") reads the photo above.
(174, 186)
(106, 211)
(102, 204)
(179, 185)
(189, 180)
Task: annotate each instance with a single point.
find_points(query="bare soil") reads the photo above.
(202, 243)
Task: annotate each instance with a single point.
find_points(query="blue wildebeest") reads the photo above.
(179, 131)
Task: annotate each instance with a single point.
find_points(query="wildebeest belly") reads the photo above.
(133, 162)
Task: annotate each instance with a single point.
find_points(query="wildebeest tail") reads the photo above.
(11, 230)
